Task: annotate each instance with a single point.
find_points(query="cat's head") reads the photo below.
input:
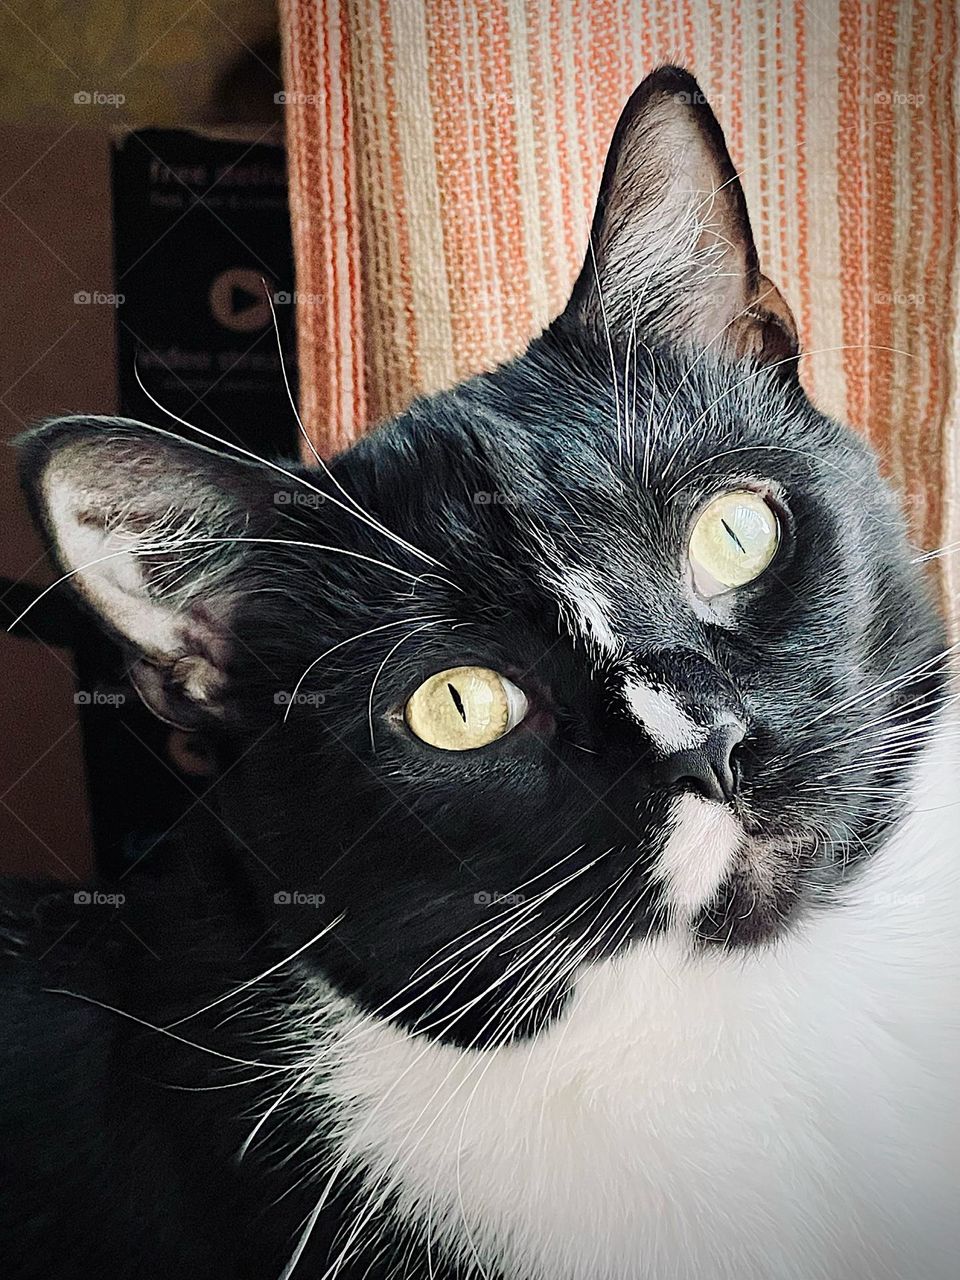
(622, 637)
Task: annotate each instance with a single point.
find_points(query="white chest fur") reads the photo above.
(786, 1115)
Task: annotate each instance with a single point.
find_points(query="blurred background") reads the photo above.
(143, 222)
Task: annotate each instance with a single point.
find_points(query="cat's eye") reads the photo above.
(464, 708)
(734, 539)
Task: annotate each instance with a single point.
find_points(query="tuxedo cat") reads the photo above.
(579, 897)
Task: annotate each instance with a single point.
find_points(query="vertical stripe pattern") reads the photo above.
(445, 155)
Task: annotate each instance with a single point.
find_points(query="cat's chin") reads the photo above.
(762, 895)
(730, 881)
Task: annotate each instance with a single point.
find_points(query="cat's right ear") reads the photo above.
(672, 257)
(148, 530)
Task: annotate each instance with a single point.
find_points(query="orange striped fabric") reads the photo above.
(445, 157)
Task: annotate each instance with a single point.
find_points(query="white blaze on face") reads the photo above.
(658, 710)
(590, 613)
(699, 852)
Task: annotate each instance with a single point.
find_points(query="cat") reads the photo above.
(578, 897)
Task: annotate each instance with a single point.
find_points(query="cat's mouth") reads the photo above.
(727, 877)
(763, 892)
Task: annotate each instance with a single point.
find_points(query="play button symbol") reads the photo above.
(238, 300)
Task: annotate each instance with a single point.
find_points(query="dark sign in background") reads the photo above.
(200, 221)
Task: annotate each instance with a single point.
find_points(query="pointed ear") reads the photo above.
(145, 527)
(672, 256)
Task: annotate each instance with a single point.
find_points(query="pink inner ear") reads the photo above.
(675, 258)
(675, 225)
(128, 532)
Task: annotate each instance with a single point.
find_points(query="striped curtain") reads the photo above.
(445, 157)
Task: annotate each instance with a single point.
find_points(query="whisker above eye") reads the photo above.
(373, 684)
(701, 355)
(309, 546)
(361, 512)
(609, 341)
(398, 622)
(138, 549)
(354, 509)
(766, 369)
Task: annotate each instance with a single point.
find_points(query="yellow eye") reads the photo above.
(735, 538)
(464, 708)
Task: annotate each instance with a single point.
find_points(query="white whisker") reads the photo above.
(353, 510)
(373, 684)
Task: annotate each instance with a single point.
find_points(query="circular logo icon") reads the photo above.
(239, 300)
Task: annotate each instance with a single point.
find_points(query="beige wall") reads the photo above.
(167, 58)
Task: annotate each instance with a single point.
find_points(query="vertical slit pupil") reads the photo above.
(733, 535)
(457, 701)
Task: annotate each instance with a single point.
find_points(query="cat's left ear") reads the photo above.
(672, 256)
(159, 540)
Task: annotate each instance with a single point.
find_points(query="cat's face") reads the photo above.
(622, 637)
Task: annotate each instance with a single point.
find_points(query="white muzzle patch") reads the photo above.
(699, 852)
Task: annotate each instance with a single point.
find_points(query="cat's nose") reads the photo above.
(709, 768)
